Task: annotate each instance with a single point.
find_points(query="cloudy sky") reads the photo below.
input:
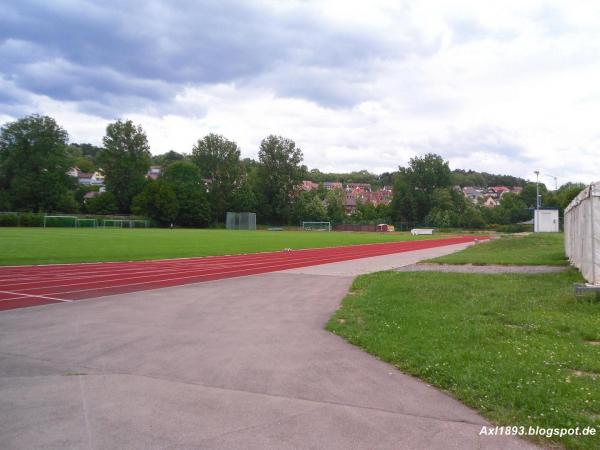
(505, 87)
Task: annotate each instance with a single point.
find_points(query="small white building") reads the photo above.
(546, 221)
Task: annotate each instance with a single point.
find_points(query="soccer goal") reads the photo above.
(138, 223)
(113, 223)
(240, 221)
(86, 223)
(60, 221)
(316, 226)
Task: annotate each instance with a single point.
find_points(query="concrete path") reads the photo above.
(242, 363)
(488, 268)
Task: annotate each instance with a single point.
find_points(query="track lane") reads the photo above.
(23, 286)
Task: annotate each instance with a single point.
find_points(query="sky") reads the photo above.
(505, 87)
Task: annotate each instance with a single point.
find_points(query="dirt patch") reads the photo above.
(592, 342)
(471, 268)
(583, 373)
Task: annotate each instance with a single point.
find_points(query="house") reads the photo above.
(90, 195)
(87, 178)
(490, 202)
(362, 186)
(349, 202)
(332, 185)
(154, 172)
(473, 193)
(90, 179)
(309, 185)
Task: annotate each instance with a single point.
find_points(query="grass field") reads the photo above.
(68, 245)
(534, 249)
(521, 349)
(518, 348)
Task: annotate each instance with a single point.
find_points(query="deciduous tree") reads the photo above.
(125, 161)
(219, 160)
(34, 162)
(280, 174)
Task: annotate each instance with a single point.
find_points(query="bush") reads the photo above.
(32, 220)
(9, 220)
(512, 228)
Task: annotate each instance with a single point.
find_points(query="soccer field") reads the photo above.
(68, 245)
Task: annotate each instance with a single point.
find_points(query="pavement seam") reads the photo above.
(103, 371)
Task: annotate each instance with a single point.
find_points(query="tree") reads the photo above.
(105, 203)
(85, 165)
(415, 187)
(157, 201)
(568, 192)
(190, 191)
(243, 199)
(429, 172)
(219, 160)
(34, 161)
(308, 206)
(529, 192)
(280, 174)
(335, 206)
(125, 161)
(168, 158)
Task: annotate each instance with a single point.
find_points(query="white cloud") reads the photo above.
(508, 87)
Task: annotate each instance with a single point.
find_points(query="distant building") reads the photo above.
(87, 178)
(332, 185)
(309, 185)
(473, 193)
(349, 203)
(90, 195)
(490, 202)
(517, 190)
(363, 186)
(154, 172)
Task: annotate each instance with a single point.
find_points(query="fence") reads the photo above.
(582, 232)
(354, 227)
(29, 219)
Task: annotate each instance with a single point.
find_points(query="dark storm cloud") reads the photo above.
(107, 53)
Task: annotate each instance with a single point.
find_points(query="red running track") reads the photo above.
(23, 286)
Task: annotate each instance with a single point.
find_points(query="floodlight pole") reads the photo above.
(537, 189)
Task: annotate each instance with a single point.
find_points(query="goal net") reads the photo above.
(240, 221)
(316, 226)
(138, 224)
(86, 223)
(60, 221)
(113, 223)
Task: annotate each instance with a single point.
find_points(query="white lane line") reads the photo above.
(21, 294)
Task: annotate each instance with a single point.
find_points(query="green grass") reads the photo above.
(534, 249)
(68, 245)
(507, 345)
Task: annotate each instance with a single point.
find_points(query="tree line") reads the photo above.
(196, 189)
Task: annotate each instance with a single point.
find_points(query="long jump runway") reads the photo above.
(25, 286)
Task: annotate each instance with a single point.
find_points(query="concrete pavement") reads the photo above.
(236, 363)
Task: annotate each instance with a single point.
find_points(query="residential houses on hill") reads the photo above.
(354, 193)
(87, 178)
(489, 197)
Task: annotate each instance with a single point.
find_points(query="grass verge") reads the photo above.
(533, 249)
(69, 245)
(518, 348)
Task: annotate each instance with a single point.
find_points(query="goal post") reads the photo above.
(113, 223)
(60, 221)
(316, 226)
(86, 223)
(137, 223)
